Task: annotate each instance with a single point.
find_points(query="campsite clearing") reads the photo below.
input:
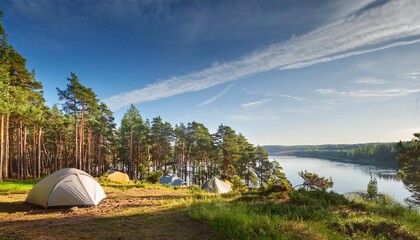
(135, 213)
(150, 211)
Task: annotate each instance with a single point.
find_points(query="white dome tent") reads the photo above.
(67, 187)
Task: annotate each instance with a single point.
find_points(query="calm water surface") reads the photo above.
(347, 177)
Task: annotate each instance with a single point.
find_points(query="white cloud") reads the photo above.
(210, 100)
(255, 104)
(346, 8)
(389, 25)
(270, 94)
(414, 74)
(370, 80)
(386, 93)
(326, 91)
(346, 55)
(251, 92)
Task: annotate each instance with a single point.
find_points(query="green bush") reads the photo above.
(280, 189)
(317, 197)
(237, 183)
(372, 188)
(153, 177)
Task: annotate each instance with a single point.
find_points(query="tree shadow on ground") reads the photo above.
(165, 223)
(134, 201)
(16, 207)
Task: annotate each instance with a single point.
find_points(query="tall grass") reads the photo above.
(307, 215)
(237, 222)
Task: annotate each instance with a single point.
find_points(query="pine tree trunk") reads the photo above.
(131, 152)
(76, 151)
(24, 160)
(6, 163)
(1, 147)
(100, 161)
(59, 150)
(82, 156)
(57, 153)
(38, 161)
(19, 152)
(89, 153)
(182, 160)
(34, 153)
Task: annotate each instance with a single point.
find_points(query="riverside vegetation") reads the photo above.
(141, 210)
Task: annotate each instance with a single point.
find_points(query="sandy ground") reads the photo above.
(124, 214)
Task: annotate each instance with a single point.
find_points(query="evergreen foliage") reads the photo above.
(372, 188)
(313, 181)
(409, 160)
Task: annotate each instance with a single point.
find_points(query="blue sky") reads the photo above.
(279, 72)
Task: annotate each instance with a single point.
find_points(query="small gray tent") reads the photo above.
(66, 188)
(172, 180)
(216, 185)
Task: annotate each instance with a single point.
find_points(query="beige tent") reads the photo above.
(66, 188)
(118, 176)
(216, 185)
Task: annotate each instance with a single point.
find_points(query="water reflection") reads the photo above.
(347, 177)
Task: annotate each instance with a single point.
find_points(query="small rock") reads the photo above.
(73, 209)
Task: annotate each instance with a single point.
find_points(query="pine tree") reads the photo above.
(228, 152)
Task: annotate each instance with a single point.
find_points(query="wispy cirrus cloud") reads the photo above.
(255, 104)
(413, 75)
(271, 94)
(370, 81)
(219, 95)
(386, 93)
(386, 26)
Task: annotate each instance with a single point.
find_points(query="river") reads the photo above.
(346, 177)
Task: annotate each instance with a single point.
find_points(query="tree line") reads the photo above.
(80, 132)
(379, 154)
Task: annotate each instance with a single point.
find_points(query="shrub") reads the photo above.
(237, 182)
(373, 228)
(313, 181)
(153, 177)
(372, 188)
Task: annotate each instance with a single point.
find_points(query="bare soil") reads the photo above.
(137, 213)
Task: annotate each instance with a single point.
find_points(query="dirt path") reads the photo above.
(130, 214)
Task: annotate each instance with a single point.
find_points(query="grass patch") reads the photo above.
(139, 210)
(236, 222)
(11, 186)
(373, 228)
(307, 215)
